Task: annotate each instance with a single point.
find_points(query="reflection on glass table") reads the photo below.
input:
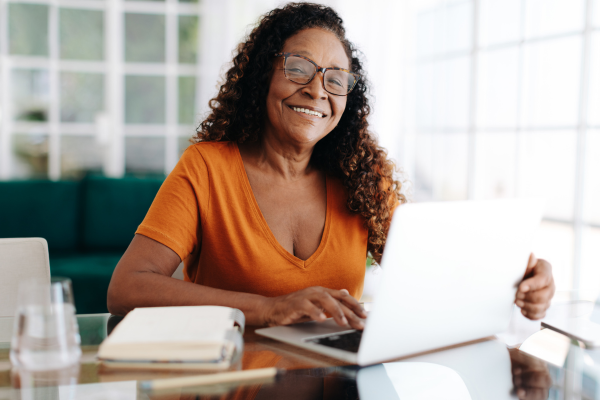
(575, 364)
(483, 370)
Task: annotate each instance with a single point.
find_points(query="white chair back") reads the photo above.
(20, 258)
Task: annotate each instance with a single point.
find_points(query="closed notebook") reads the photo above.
(195, 337)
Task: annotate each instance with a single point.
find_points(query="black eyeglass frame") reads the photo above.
(318, 69)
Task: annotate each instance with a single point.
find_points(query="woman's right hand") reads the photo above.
(311, 304)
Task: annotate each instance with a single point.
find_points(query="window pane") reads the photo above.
(424, 94)
(452, 99)
(187, 100)
(590, 260)
(183, 142)
(438, 20)
(500, 21)
(458, 32)
(144, 99)
(30, 158)
(31, 95)
(551, 82)
(188, 38)
(450, 155)
(28, 29)
(554, 242)
(144, 155)
(547, 169)
(144, 38)
(424, 167)
(495, 165)
(438, 99)
(81, 96)
(81, 34)
(79, 155)
(551, 17)
(591, 210)
(426, 26)
(497, 88)
(594, 87)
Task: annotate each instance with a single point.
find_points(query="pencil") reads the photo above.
(211, 379)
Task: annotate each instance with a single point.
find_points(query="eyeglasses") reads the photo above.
(302, 70)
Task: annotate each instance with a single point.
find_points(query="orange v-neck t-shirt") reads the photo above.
(206, 212)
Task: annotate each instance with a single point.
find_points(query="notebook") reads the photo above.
(194, 337)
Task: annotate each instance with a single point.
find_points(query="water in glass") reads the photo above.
(46, 334)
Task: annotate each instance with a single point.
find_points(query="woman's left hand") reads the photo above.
(536, 289)
(531, 378)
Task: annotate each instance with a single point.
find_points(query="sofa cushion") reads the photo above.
(113, 209)
(44, 209)
(90, 275)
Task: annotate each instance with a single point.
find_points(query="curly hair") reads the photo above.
(349, 152)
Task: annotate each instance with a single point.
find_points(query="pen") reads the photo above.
(198, 380)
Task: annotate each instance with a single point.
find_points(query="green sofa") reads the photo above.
(88, 225)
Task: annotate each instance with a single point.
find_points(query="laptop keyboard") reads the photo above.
(344, 341)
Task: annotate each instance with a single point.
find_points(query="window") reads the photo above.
(507, 101)
(96, 85)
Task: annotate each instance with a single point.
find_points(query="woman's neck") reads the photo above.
(272, 156)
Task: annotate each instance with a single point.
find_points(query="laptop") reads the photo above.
(450, 272)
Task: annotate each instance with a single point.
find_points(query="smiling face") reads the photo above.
(292, 108)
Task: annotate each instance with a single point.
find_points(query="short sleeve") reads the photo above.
(174, 218)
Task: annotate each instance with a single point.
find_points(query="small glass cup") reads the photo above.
(45, 334)
(51, 384)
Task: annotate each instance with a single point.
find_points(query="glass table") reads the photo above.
(549, 367)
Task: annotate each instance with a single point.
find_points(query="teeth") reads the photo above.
(306, 111)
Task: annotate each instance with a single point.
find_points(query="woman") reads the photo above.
(275, 208)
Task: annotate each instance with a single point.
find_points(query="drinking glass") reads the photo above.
(45, 334)
(45, 385)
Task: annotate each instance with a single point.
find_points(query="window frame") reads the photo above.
(581, 128)
(115, 69)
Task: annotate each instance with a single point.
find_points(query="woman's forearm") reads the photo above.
(150, 289)
(142, 278)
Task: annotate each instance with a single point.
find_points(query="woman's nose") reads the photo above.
(315, 87)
